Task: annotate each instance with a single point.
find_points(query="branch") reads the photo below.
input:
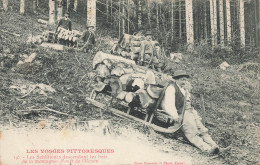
(46, 109)
(28, 92)
(17, 35)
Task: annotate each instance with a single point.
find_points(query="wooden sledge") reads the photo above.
(138, 88)
(148, 120)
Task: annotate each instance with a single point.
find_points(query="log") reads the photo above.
(101, 56)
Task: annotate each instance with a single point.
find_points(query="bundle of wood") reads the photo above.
(126, 81)
(62, 36)
(67, 35)
(130, 46)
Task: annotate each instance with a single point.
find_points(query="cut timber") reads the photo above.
(100, 56)
(129, 97)
(129, 67)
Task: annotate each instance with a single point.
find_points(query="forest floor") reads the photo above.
(58, 80)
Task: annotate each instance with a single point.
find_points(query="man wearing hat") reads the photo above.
(148, 53)
(64, 22)
(192, 127)
(88, 38)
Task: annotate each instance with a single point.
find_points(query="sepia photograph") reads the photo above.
(129, 82)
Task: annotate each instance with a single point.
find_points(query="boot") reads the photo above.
(214, 150)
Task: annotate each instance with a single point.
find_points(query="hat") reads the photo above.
(148, 33)
(88, 26)
(180, 73)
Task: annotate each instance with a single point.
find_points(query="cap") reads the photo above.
(88, 26)
(180, 73)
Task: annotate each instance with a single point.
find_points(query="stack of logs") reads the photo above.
(130, 45)
(126, 81)
(63, 35)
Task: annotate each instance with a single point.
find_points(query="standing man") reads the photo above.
(192, 126)
(64, 22)
(148, 55)
(88, 38)
(63, 29)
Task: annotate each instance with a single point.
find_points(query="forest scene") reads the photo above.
(53, 85)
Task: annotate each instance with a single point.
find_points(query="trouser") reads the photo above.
(196, 132)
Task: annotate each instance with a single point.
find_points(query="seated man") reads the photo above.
(148, 55)
(88, 38)
(192, 127)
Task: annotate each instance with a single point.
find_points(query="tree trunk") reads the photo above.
(205, 21)
(228, 21)
(107, 12)
(149, 14)
(172, 20)
(68, 5)
(213, 21)
(5, 5)
(139, 16)
(75, 6)
(123, 19)
(119, 22)
(180, 21)
(257, 15)
(242, 23)
(51, 12)
(59, 9)
(91, 12)
(128, 16)
(111, 12)
(221, 22)
(34, 5)
(157, 15)
(189, 24)
(22, 7)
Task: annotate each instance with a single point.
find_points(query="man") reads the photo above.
(192, 127)
(63, 28)
(88, 38)
(64, 22)
(148, 54)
